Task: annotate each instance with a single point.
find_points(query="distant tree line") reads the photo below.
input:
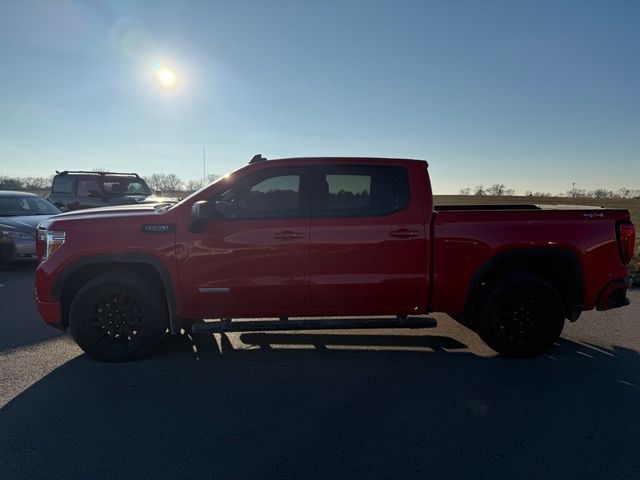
(166, 182)
(495, 190)
(25, 183)
(603, 193)
(170, 182)
(499, 190)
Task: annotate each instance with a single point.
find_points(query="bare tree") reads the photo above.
(193, 185)
(37, 183)
(479, 190)
(172, 183)
(156, 180)
(625, 192)
(496, 190)
(465, 191)
(576, 193)
(8, 183)
(601, 193)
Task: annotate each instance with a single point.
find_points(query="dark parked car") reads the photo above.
(73, 190)
(20, 214)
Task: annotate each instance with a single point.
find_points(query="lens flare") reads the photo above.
(166, 77)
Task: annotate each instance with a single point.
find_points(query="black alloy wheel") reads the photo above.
(523, 317)
(115, 321)
(118, 317)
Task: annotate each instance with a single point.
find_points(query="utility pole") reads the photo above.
(204, 164)
(573, 189)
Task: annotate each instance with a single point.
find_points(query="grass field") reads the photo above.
(633, 205)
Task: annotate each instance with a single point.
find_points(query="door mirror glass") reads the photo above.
(201, 210)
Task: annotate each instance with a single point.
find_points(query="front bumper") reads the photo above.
(50, 312)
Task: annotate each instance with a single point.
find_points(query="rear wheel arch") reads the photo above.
(558, 267)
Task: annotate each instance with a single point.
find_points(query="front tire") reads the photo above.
(522, 317)
(118, 317)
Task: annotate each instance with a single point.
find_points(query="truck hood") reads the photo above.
(140, 199)
(144, 212)
(110, 211)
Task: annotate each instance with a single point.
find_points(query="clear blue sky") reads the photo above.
(532, 94)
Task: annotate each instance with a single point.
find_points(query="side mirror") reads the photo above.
(200, 212)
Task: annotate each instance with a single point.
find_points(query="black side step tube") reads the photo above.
(226, 325)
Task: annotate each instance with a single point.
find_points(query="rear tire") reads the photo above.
(522, 317)
(118, 317)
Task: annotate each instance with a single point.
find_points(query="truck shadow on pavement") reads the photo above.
(301, 405)
(19, 319)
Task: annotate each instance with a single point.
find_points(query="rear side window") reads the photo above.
(360, 191)
(63, 185)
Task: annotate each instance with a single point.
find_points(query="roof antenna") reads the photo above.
(257, 158)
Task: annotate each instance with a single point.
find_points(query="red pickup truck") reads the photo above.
(319, 237)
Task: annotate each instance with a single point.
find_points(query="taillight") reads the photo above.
(626, 241)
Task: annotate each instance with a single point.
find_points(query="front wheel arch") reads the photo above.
(84, 270)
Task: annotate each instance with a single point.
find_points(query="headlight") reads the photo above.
(52, 242)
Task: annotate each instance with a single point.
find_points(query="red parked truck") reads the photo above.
(316, 237)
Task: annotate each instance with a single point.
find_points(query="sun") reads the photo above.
(166, 77)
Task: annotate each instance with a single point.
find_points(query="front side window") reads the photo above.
(262, 196)
(88, 187)
(360, 191)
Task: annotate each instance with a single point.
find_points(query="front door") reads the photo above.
(253, 258)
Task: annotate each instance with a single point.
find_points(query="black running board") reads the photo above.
(221, 326)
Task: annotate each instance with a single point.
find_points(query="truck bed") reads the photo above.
(467, 237)
(513, 206)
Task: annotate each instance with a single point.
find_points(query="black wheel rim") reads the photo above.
(115, 322)
(525, 319)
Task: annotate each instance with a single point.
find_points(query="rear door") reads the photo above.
(253, 258)
(369, 251)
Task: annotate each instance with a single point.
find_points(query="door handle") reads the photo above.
(287, 235)
(403, 233)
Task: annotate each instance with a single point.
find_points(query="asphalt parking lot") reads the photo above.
(428, 403)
